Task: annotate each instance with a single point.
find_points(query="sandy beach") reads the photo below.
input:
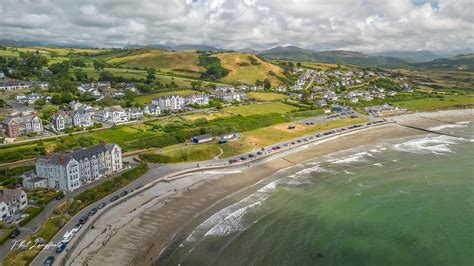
(138, 230)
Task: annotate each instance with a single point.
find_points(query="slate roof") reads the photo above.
(8, 195)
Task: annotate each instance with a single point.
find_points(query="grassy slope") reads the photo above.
(167, 61)
(431, 104)
(248, 73)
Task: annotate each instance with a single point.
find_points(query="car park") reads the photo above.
(114, 198)
(61, 247)
(49, 261)
(102, 205)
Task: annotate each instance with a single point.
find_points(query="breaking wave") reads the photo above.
(437, 145)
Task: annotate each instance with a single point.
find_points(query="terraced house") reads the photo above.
(11, 202)
(64, 119)
(69, 171)
(14, 127)
(169, 102)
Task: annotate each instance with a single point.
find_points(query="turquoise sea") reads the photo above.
(408, 201)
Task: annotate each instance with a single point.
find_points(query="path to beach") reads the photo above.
(136, 231)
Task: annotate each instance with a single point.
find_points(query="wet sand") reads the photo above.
(138, 230)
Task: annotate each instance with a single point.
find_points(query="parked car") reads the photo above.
(83, 219)
(76, 228)
(251, 155)
(102, 205)
(125, 192)
(259, 153)
(92, 211)
(61, 247)
(68, 236)
(60, 196)
(114, 198)
(14, 233)
(49, 261)
(243, 158)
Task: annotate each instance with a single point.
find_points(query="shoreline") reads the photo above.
(142, 228)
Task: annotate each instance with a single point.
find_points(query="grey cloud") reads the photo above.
(364, 25)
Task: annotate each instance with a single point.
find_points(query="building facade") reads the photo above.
(169, 102)
(11, 202)
(71, 170)
(22, 125)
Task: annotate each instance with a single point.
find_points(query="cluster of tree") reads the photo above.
(25, 66)
(266, 84)
(385, 83)
(214, 69)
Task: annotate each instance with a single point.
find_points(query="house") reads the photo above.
(354, 100)
(230, 96)
(65, 119)
(69, 171)
(22, 125)
(228, 136)
(197, 99)
(202, 138)
(12, 201)
(112, 115)
(321, 103)
(134, 112)
(172, 102)
(35, 183)
(151, 109)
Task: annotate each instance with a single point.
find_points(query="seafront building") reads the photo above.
(69, 171)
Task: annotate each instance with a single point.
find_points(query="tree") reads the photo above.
(80, 75)
(106, 76)
(151, 75)
(99, 65)
(48, 111)
(266, 84)
(298, 64)
(40, 102)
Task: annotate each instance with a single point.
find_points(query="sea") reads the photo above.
(408, 201)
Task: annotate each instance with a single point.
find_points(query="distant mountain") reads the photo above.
(8, 42)
(176, 47)
(463, 62)
(247, 51)
(334, 57)
(411, 56)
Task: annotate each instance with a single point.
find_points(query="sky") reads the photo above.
(358, 25)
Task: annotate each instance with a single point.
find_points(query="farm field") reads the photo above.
(264, 108)
(431, 104)
(142, 99)
(277, 133)
(266, 96)
(242, 69)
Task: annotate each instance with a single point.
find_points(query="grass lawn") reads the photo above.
(123, 134)
(277, 133)
(257, 109)
(266, 96)
(431, 104)
(143, 99)
(208, 116)
(41, 195)
(191, 153)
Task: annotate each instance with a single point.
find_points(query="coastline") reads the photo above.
(139, 229)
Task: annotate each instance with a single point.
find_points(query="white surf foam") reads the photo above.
(436, 145)
(457, 125)
(360, 156)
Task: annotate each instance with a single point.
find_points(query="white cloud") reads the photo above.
(365, 25)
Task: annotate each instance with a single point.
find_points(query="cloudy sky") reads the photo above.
(361, 25)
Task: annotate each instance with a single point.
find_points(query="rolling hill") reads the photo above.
(410, 56)
(464, 62)
(333, 57)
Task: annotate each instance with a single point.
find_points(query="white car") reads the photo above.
(68, 236)
(76, 228)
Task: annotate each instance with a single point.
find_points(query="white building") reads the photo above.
(11, 202)
(112, 115)
(198, 99)
(172, 102)
(71, 170)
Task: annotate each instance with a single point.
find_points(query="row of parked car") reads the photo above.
(322, 134)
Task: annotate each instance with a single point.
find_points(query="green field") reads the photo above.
(431, 104)
(256, 109)
(266, 96)
(143, 99)
(277, 133)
